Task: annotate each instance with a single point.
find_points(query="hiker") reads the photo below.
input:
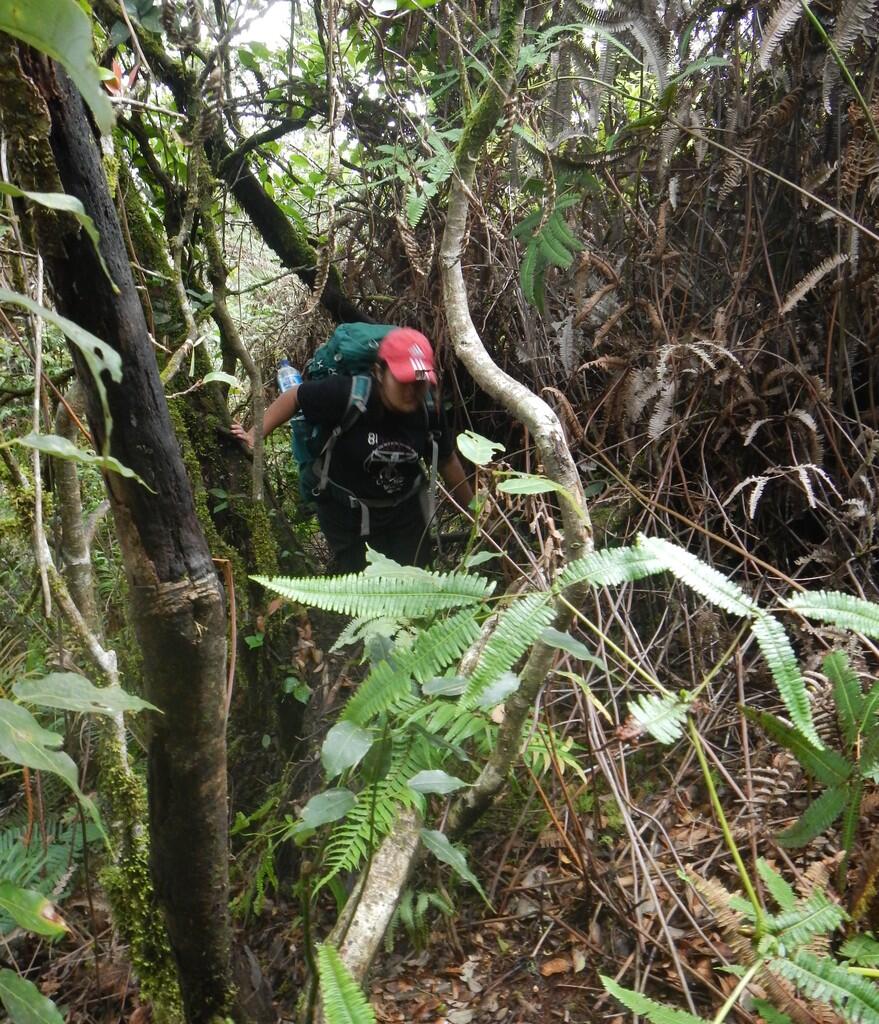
(371, 487)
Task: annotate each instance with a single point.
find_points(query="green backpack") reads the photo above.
(351, 350)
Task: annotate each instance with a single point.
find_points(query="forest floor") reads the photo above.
(577, 887)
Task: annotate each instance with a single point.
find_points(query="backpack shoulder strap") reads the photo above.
(358, 398)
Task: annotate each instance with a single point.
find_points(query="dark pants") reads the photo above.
(400, 533)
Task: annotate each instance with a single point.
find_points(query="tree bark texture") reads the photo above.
(177, 603)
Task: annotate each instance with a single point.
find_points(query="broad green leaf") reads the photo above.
(24, 1002)
(439, 845)
(62, 448)
(436, 782)
(345, 745)
(776, 648)
(343, 999)
(498, 690)
(99, 357)
(66, 204)
(328, 806)
(24, 741)
(61, 29)
(224, 378)
(528, 483)
(471, 561)
(817, 817)
(378, 760)
(839, 610)
(565, 642)
(827, 766)
(31, 910)
(649, 1008)
(476, 448)
(444, 686)
(73, 692)
(846, 693)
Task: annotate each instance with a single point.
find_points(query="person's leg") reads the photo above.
(341, 527)
(403, 535)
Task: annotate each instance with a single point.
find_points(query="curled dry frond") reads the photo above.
(786, 15)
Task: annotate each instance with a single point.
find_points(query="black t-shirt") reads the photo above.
(378, 458)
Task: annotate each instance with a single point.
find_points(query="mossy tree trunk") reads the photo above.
(177, 603)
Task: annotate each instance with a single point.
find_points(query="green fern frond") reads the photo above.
(838, 609)
(661, 716)
(698, 576)
(815, 916)
(390, 682)
(776, 648)
(377, 806)
(817, 818)
(847, 694)
(531, 274)
(825, 981)
(610, 567)
(778, 888)
(519, 626)
(365, 596)
(655, 1012)
(851, 819)
(343, 999)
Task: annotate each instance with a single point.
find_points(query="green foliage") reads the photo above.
(61, 29)
(518, 628)
(655, 1012)
(663, 717)
(412, 913)
(412, 594)
(72, 692)
(24, 1002)
(826, 981)
(838, 609)
(842, 772)
(343, 1001)
(551, 244)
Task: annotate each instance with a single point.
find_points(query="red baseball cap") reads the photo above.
(408, 355)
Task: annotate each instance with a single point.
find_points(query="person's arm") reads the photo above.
(455, 479)
(282, 409)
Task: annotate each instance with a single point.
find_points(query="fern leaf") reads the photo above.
(776, 648)
(827, 766)
(661, 716)
(610, 567)
(698, 576)
(531, 266)
(802, 289)
(654, 57)
(846, 694)
(817, 818)
(838, 609)
(815, 916)
(381, 595)
(343, 999)
(868, 712)
(519, 626)
(850, 23)
(655, 1012)
(781, 892)
(850, 821)
(786, 15)
(825, 981)
(373, 817)
(390, 682)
